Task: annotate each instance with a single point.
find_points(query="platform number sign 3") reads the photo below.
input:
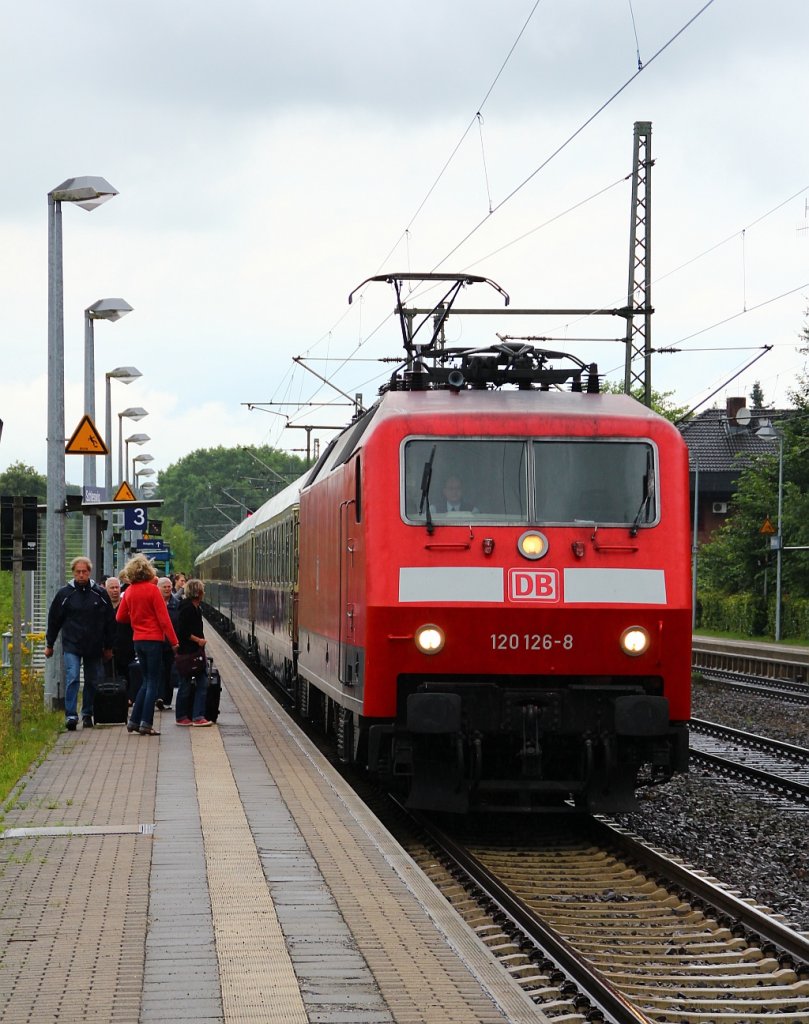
(135, 518)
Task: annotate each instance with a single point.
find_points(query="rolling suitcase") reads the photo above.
(110, 704)
(214, 693)
(135, 680)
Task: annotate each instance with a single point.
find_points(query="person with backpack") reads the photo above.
(83, 614)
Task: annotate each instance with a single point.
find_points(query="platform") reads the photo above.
(224, 874)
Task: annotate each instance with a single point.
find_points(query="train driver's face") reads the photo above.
(453, 489)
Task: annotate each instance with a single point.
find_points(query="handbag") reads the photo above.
(189, 664)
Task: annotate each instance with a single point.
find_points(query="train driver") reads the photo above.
(452, 498)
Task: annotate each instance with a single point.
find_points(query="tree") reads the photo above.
(213, 489)
(183, 546)
(737, 556)
(23, 480)
(757, 396)
(660, 400)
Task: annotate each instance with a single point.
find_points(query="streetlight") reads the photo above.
(143, 472)
(125, 374)
(87, 192)
(136, 413)
(134, 439)
(141, 458)
(768, 433)
(103, 309)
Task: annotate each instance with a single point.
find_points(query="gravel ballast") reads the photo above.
(740, 836)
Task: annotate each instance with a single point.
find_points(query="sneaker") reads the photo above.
(183, 721)
(71, 723)
(87, 722)
(159, 703)
(201, 722)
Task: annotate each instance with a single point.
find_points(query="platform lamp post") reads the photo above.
(141, 458)
(142, 472)
(136, 413)
(124, 374)
(134, 439)
(767, 432)
(103, 309)
(87, 192)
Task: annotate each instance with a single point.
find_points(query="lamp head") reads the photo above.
(136, 413)
(108, 309)
(125, 374)
(86, 191)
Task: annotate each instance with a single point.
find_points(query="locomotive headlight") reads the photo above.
(533, 545)
(634, 641)
(429, 639)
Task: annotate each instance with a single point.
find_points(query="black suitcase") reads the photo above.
(135, 680)
(213, 694)
(110, 704)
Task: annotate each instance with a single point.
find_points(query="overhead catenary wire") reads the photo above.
(362, 341)
(575, 134)
(460, 141)
(514, 192)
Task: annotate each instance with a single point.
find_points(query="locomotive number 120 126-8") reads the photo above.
(530, 642)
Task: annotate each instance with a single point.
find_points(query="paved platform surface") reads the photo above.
(223, 874)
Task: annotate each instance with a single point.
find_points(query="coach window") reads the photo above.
(605, 482)
(357, 491)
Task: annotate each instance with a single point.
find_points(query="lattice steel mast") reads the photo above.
(638, 366)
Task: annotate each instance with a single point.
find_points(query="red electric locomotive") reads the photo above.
(493, 586)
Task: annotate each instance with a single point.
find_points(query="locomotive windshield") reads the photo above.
(536, 480)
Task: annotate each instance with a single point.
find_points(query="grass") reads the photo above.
(19, 750)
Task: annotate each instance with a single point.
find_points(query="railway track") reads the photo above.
(769, 666)
(598, 927)
(781, 768)
(793, 693)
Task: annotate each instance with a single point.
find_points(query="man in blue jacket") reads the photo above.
(83, 613)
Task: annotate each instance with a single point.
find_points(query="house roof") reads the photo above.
(719, 441)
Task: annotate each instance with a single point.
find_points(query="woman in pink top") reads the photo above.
(143, 607)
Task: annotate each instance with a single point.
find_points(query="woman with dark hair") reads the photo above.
(143, 606)
(192, 641)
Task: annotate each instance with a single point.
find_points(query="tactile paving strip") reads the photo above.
(406, 942)
(256, 975)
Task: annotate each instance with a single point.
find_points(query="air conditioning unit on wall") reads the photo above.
(720, 508)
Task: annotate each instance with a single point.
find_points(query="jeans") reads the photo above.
(183, 701)
(92, 672)
(170, 677)
(150, 656)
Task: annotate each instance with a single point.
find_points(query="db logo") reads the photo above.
(533, 585)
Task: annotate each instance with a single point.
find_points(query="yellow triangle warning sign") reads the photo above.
(124, 493)
(86, 440)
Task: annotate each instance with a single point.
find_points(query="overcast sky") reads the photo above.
(270, 157)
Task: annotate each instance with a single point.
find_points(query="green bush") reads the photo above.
(794, 617)
(742, 614)
(747, 615)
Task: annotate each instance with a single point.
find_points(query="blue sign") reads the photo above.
(147, 546)
(94, 495)
(135, 517)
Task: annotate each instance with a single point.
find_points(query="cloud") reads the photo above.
(269, 159)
